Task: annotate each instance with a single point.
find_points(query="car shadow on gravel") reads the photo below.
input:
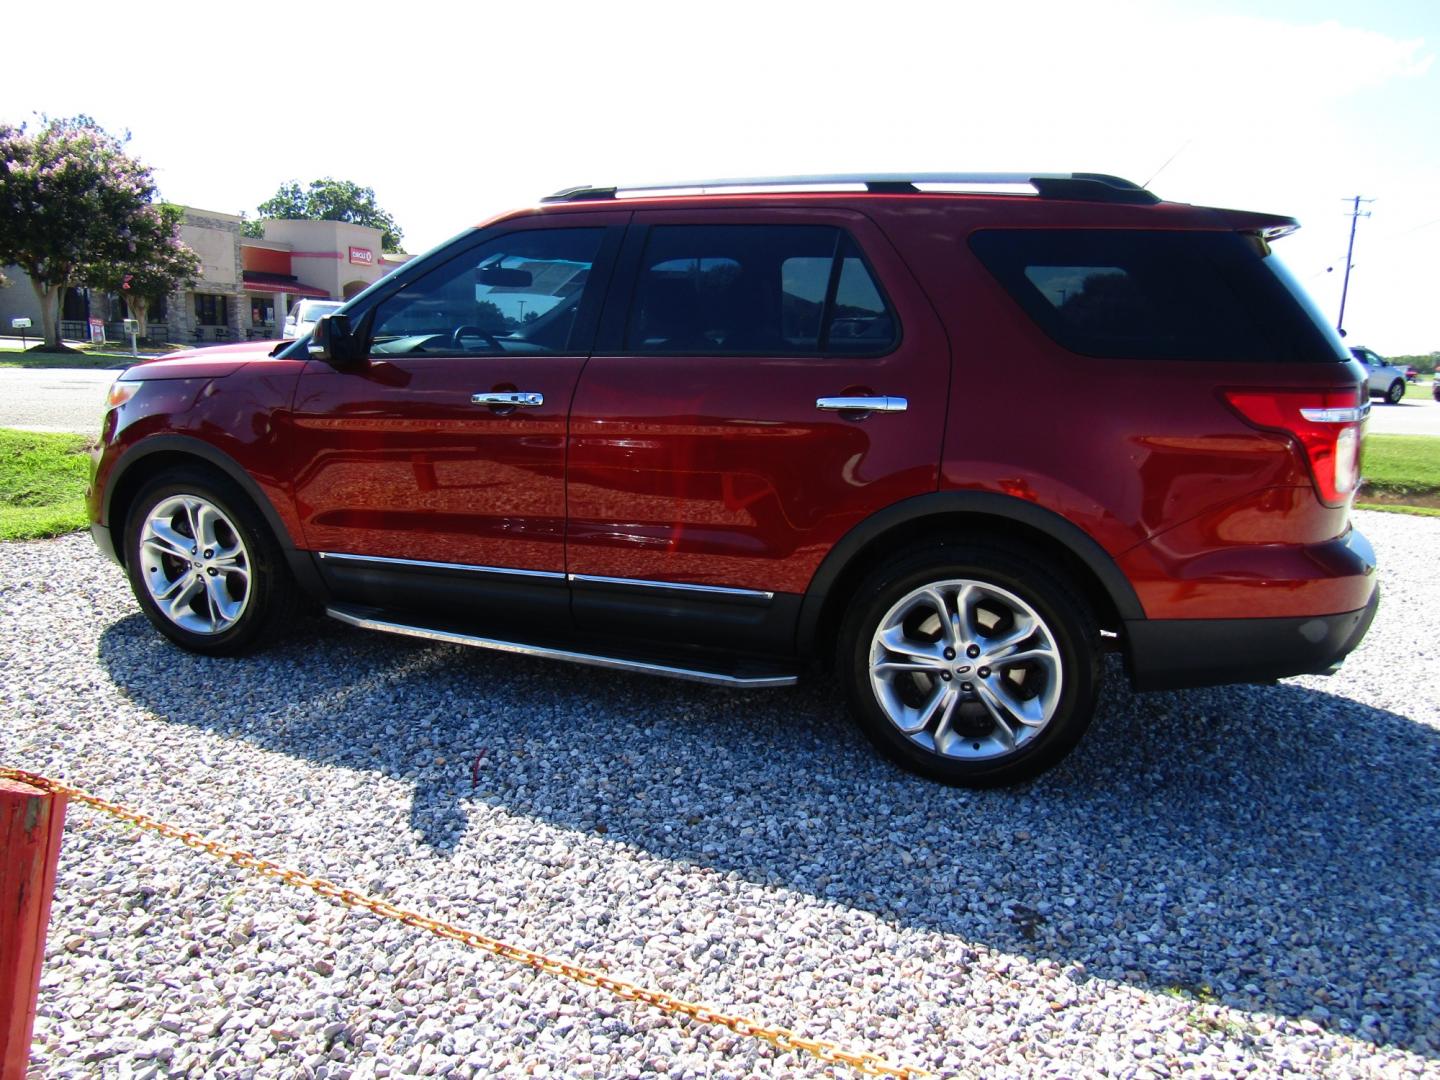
(1275, 849)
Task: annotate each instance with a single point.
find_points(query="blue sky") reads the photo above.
(455, 112)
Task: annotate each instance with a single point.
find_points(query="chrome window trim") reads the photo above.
(503, 571)
(721, 590)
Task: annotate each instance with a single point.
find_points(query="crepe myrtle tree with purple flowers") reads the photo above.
(157, 264)
(75, 208)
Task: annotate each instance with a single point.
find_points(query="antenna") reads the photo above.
(1355, 215)
(1168, 160)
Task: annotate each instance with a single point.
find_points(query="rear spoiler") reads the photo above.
(1268, 226)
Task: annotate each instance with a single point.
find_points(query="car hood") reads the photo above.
(213, 362)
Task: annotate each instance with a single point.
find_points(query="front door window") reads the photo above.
(518, 295)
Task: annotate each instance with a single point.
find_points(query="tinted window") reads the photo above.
(861, 321)
(757, 289)
(1157, 295)
(211, 310)
(519, 293)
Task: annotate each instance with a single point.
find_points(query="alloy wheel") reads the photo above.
(195, 564)
(966, 669)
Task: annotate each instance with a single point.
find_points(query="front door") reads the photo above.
(441, 464)
(713, 462)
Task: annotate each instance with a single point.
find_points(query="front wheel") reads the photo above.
(203, 565)
(969, 664)
(1396, 393)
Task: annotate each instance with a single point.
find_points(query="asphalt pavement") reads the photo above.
(53, 399)
(1411, 417)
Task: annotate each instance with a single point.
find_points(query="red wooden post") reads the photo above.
(31, 821)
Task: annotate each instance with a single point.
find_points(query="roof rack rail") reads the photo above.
(1086, 187)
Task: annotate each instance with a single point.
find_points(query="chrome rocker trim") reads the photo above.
(640, 583)
(467, 568)
(551, 575)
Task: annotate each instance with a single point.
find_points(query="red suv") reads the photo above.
(947, 438)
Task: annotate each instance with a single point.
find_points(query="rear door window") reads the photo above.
(1165, 295)
(783, 290)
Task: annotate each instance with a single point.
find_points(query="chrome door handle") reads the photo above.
(862, 404)
(512, 398)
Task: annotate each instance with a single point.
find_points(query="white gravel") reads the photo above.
(1242, 881)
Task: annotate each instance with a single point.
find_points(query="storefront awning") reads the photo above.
(289, 288)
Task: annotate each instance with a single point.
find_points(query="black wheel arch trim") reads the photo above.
(988, 503)
(301, 563)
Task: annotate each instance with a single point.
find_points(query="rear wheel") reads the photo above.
(971, 665)
(203, 565)
(1396, 393)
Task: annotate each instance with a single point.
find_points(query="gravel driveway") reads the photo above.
(1219, 882)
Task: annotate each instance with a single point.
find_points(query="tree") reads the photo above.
(71, 199)
(158, 263)
(330, 200)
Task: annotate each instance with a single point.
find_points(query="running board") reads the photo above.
(366, 619)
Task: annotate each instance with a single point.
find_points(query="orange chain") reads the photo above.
(782, 1038)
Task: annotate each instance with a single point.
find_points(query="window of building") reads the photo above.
(262, 311)
(1135, 294)
(756, 289)
(519, 293)
(211, 310)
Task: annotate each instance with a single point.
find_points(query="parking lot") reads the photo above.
(1228, 881)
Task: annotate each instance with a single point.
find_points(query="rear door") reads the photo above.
(436, 474)
(712, 461)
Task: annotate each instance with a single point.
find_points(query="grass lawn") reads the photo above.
(84, 356)
(42, 484)
(1418, 390)
(1401, 470)
(89, 360)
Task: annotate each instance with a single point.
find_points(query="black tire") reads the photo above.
(1396, 393)
(1069, 632)
(270, 595)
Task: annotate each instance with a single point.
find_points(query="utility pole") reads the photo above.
(1355, 215)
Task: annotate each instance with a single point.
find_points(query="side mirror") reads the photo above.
(333, 341)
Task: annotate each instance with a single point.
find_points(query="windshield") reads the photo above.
(312, 312)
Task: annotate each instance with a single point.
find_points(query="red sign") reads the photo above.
(363, 256)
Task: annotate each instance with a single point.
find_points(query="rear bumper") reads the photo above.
(1165, 654)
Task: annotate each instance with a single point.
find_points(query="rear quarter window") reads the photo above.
(1152, 294)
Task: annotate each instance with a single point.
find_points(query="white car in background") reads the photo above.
(1386, 380)
(304, 314)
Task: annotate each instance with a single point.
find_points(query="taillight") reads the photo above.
(1326, 423)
